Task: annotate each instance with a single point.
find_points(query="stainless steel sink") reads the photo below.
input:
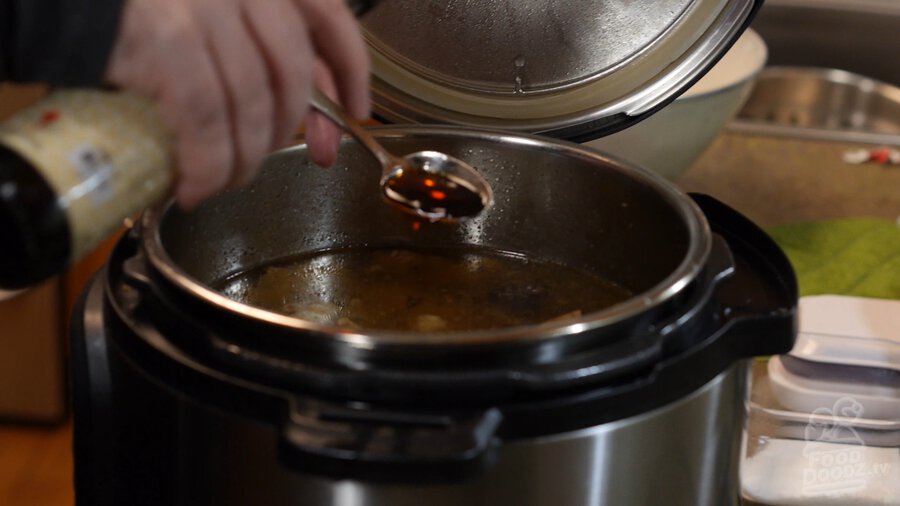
(824, 104)
(833, 72)
(859, 36)
(824, 98)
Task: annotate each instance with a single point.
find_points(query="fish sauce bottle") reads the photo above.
(73, 166)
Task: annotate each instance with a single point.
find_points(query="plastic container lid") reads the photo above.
(850, 331)
(847, 347)
(575, 70)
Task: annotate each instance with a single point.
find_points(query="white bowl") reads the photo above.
(670, 140)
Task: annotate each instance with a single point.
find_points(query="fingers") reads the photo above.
(232, 79)
(195, 109)
(322, 135)
(281, 33)
(204, 147)
(242, 70)
(339, 44)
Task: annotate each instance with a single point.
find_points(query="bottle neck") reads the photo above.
(34, 230)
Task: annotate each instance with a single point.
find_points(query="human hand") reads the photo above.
(232, 79)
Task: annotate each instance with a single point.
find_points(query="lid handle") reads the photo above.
(366, 444)
(759, 303)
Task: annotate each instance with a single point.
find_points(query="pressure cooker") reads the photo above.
(184, 396)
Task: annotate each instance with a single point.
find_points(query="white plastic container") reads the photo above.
(847, 346)
(824, 426)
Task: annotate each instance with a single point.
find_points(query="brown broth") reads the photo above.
(434, 289)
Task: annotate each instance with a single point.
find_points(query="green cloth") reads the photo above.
(858, 257)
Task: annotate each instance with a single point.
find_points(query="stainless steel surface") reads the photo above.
(555, 200)
(684, 454)
(422, 163)
(858, 36)
(849, 137)
(823, 103)
(540, 65)
(517, 46)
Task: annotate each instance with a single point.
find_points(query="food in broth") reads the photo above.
(448, 289)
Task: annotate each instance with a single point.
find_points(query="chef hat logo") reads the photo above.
(834, 450)
(835, 424)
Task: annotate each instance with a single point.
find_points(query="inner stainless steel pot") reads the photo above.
(554, 200)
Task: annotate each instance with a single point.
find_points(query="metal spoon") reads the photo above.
(428, 184)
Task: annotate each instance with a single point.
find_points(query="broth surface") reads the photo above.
(422, 289)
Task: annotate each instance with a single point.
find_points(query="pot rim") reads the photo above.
(698, 251)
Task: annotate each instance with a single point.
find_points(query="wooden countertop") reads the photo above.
(777, 180)
(36, 466)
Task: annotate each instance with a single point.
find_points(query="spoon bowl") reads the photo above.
(428, 184)
(436, 187)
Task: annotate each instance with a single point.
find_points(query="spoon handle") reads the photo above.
(336, 113)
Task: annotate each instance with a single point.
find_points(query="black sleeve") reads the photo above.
(61, 42)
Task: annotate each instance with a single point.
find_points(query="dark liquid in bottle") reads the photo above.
(438, 197)
(34, 231)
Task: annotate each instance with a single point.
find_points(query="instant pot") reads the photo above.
(185, 397)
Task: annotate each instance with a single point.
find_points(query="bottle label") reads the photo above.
(105, 154)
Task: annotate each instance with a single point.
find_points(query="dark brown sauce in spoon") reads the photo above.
(435, 197)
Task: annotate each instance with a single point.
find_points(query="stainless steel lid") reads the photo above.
(568, 69)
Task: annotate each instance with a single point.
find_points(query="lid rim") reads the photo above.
(677, 282)
(397, 99)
